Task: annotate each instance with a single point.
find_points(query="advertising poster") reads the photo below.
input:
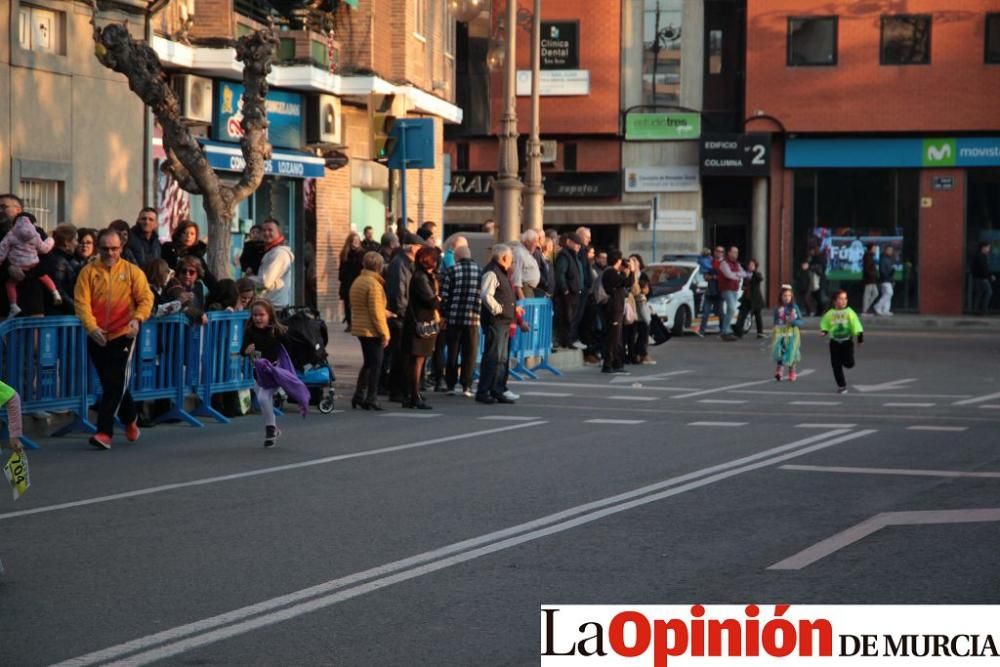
(844, 250)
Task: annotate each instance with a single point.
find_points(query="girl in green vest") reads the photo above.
(842, 326)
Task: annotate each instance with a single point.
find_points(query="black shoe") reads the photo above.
(488, 400)
(270, 435)
(373, 405)
(396, 398)
(606, 370)
(420, 405)
(358, 402)
(620, 371)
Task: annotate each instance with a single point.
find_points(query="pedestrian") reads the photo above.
(124, 230)
(637, 338)
(184, 243)
(526, 273)
(264, 340)
(274, 280)
(886, 274)
(869, 275)
(428, 232)
(752, 301)
(397, 289)
(842, 326)
(368, 243)
(450, 246)
(59, 265)
(22, 247)
(982, 280)
(730, 274)
(616, 280)
(369, 324)
(225, 297)
(144, 239)
(253, 252)
(112, 299)
(708, 265)
(499, 306)
(86, 247)
(422, 322)
(785, 335)
(569, 288)
(461, 303)
(189, 288)
(348, 270)
(247, 292)
(543, 255)
(818, 283)
(11, 401)
(158, 276)
(803, 291)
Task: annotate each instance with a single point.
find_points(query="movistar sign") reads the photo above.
(930, 152)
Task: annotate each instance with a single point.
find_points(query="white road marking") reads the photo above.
(627, 422)
(704, 392)
(989, 407)
(725, 424)
(656, 377)
(833, 391)
(978, 399)
(825, 425)
(894, 384)
(266, 471)
(551, 394)
(632, 398)
(172, 642)
(412, 415)
(951, 429)
(862, 530)
(907, 405)
(722, 401)
(587, 385)
(904, 472)
(508, 418)
(817, 403)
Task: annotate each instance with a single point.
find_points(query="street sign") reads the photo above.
(735, 154)
(414, 144)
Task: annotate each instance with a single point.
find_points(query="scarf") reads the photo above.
(274, 244)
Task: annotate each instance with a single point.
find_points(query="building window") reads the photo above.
(462, 149)
(569, 157)
(44, 200)
(661, 41)
(906, 39)
(993, 38)
(420, 23)
(41, 30)
(449, 32)
(812, 41)
(715, 52)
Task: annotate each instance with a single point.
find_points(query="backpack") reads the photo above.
(597, 291)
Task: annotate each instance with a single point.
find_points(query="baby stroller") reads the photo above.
(306, 344)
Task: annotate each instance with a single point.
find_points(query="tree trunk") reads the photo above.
(219, 215)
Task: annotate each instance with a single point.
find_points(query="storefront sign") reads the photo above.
(677, 221)
(558, 185)
(943, 183)
(284, 115)
(560, 45)
(226, 157)
(662, 126)
(662, 179)
(932, 152)
(735, 154)
(555, 82)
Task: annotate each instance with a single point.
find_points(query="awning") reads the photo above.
(558, 215)
(283, 162)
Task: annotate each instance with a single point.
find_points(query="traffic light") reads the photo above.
(382, 121)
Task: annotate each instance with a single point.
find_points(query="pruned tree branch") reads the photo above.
(179, 172)
(256, 52)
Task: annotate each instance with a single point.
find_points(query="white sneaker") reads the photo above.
(15, 310)
(576, 344)
(468, 393)
(511, 396)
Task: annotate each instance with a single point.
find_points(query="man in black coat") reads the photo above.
(982, 280)
(616, 280)
(144, 239)
(58, 265)
(569, 287)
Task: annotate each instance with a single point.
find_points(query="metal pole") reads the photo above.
(534, 193)
(402, 176)
(656, 209)
(507, 201)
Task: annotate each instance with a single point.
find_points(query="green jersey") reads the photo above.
(841, 325)
(6, 391)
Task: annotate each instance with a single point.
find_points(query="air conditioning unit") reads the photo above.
(323, 124)
(195, 96)
(549, 151)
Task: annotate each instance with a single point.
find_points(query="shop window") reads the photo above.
(812, 41)
(661, 41)
(41, 30)
(906, 39)
(44, 200)
(983, 226)
(993, 38)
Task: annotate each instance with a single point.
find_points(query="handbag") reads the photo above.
(630, 314)
(429, 328)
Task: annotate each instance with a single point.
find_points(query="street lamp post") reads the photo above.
(534, 194)
(507, 197)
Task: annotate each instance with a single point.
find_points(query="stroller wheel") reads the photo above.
(326, 404)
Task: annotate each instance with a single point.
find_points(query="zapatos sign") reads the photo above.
(709, 635)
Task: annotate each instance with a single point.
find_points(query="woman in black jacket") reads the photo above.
(351, 256)
(185, 243)
(425, 301)
(752, 300)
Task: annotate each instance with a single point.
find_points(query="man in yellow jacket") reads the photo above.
(112, 298)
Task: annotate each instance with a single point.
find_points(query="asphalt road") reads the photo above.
(433, 538)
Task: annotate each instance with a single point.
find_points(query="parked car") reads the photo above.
(673, 288)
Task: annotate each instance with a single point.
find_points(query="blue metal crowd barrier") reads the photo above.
(537, 341)
(45, 360)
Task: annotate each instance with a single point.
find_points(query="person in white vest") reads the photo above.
(274, 279)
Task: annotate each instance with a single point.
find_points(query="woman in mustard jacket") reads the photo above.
(369, 324)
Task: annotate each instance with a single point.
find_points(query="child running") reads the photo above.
(10, 400)
(263, 339)
(21, 246)
(785, 346)
(842, 325)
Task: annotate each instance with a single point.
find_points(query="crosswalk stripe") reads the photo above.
(717, 424)
(413, 415)
(632, 398)
(950, 429)
(628, 422)
(508, 418)
(908, 405)
(818, 403)
(825, 425)
(722, 401)
(551, 394)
